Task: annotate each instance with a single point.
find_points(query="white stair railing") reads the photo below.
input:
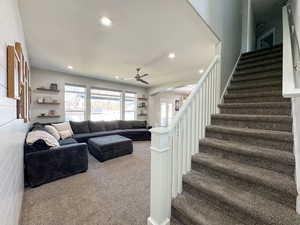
(290, 85)
(173, 147)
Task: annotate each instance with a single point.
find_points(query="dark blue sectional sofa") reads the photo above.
(43, 165)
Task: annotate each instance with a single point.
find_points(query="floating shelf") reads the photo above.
(142, 115)
(142, 99)
(48, 103)
(48, 116)
(47, 89)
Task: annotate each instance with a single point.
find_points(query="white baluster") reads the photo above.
(189, 137)
(160, 199)
(185, 143)
(174, 163)
(179, 158)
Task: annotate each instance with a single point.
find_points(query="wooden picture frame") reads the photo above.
(13, 73)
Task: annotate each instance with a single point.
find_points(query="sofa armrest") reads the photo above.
(48, 165)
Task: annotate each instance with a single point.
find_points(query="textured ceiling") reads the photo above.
(61, 33)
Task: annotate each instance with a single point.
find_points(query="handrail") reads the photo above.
(289, 82)
(290, 86)
(195, 90)
(172, 147)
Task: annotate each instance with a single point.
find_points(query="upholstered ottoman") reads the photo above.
(109, 147)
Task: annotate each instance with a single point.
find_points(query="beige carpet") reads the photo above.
(115, 192)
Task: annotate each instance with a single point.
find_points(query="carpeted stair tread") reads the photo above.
(263, 210)
(175, 222)
(277, 181)
(255, 105)
(277, 75)
(275, 55)
(257, 85)
(262, 52)
(263, 134)
(260, 63)
(200, 211)
(255, 70)
(255, 94)
(283, 157)
(262, 118)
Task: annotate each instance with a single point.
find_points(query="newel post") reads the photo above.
(160, 196)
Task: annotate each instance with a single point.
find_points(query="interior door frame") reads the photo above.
(261, 37)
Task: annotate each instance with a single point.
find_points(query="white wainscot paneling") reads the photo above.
(12, 137)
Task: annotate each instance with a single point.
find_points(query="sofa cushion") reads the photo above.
(96, 126)
(138, 124)
(80, 127)
(67, 141)
(52, 130)
(112, 125)
(123, 124)
(64, 129)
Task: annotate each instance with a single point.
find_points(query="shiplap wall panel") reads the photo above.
(12, 131)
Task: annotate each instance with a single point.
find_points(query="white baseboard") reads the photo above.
(152, 222)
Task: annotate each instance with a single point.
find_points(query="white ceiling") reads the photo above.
(67, 32)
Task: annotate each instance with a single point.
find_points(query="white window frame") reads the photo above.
(106, 89)
(85, 99)
(135, 108)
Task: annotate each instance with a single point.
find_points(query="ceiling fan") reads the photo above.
(139, 77)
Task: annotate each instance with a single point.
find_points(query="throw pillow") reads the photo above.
(52, 130)
(37, 135)
(80, 127)
(97, 126)
(64, 130)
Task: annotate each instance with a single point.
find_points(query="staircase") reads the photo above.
(244, 171)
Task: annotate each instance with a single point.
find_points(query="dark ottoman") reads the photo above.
(109, 147)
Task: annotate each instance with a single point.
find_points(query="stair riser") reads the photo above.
(261, 54)
(257, 111)
(254, 82)
(258, 77)
(259, 63)
(260, 58)
(264, 142)
(181, 218)
(255, 89)
(256, 99)
(249, 159)
(259, 70)
(228, 209)
(247, 185)
(277, 126)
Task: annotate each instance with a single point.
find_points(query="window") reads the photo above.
(75, 102)
(105, 105)
(170, 114)
(130, 106)
(163, 114)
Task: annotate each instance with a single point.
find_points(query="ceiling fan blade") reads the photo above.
(143, 81)
(145, 75)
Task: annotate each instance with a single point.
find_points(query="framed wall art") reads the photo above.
(13, 73)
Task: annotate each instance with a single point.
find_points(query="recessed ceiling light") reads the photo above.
(117, 77)
(106, 21)
(201, 71)
(70, 67)
(172, 55)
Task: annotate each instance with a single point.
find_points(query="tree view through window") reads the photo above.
(105, 105)
(75, 102)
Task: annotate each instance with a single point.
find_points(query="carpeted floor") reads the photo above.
(115, 192)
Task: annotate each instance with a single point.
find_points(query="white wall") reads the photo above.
(225, 19)
(12, 131)
(154, 105)
(40, 77)
(248, 27)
